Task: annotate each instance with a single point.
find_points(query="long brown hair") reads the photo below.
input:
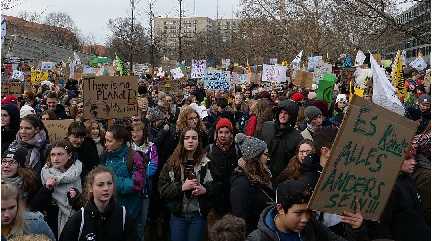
(180, 154)
(263, 112)
(10, 191)
(29, 178)
(256, 172)
(292, 171)
(88, 194)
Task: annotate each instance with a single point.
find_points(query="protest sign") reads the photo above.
(303, 79)
(217, 80)
(325, 88)
(320, 70)
(177, 73)
(313, 62)
(237, 78)
(47, 66)
(139, 69)
(11, 88)
(88, 71)
(273, 61)
(398, 80)
(226, 63)
(364, 162)
(109, 97)
(57, 129)
(198, 68)
(274, 73)
(419, 64)
(19, 75)
(38, 76)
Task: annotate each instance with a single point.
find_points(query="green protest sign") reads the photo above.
(325, 88)
(364, 162)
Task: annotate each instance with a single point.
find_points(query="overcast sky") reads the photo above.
(91, 16)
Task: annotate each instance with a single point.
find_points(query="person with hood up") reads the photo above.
(9, 125)
(290, 219)
(281, 136)
(314, 120)
(251, 188)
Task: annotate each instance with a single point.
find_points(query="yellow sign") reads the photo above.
(397, 76)
(38, 76)
(359, 91)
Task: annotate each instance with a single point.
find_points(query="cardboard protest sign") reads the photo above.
(109, 97)
(47, 66)
(364, 162)
(303, 79)
(11, 88)
(57, 129)
(274, 73)
(217, 80)
(198, 68)
(38, 76)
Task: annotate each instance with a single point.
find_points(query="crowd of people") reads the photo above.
(244, 170)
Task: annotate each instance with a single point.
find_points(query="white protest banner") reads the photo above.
(139, 69)
(320, 70)
(226, 63)
(360, 58)
(177, 73)
(88, 71)
(273, 60)
(296, 61)
(419, 64)
(313, 63)
(47, 66)
(160, 72)
(19, 75)
(274, 73)
(217, 80)
(198, 68)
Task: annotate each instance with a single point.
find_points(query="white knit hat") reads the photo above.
(341, 98)
(26, 110)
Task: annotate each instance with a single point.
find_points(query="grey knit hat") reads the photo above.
(311, 112)
(250, 147)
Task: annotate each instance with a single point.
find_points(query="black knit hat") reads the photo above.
(289, 106)
(18, 154)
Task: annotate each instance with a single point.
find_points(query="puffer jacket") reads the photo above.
(129, 183)
(170, 187)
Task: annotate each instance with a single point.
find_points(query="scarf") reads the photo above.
(65, 181)
(16, 180)
(36, 144)
(225, 147)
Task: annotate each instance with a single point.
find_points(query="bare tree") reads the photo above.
(31, 16)
(61, 20)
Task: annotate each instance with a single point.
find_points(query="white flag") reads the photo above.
(360, 58)
(404, 59)
(384, 93)
(419, 64)
(296, 61)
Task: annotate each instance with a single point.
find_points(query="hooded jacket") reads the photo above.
(33, 224)
(313, 231)
(8, 133)
(98, 226)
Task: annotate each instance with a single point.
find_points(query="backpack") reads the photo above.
(82, 221)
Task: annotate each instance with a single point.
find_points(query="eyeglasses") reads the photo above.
(9, 162)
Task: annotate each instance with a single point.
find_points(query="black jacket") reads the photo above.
(87, 154)
(281, 143)
(60, 112)
(314, 231)
(8, 133)
(403, 219)
(248, 200)
(222, 165)
(99, 226)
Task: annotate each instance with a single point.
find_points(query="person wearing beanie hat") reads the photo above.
(27, 110)
(340, 108)
(224, 155)
(251, 188)
(9, 125)
(314, 119)
(297, 97)
(291, 219)
(424, 103)
(281, 136)
(311, 95)
(9, 99)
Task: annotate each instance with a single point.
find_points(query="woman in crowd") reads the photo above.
(102, 218)
(127, 167)
(186, 184)
(61, 186)
(14, 172)
(98, 136)
(189, 118)
(260, 112)
(294, 168)
(9, 125)
(48, 115)
(15, 221)
(33, 138)
(251, 189)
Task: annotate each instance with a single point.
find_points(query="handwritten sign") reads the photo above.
(47, 66)
(11, 88)
(303, 79)
(274, 73)
(38, 76)
(237, 78)
(217, 80)
(364, 162)
(313, 62)
(320, 70)
(109, 97)
(198, 68)
(57, 129)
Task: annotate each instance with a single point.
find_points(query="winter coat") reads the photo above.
(37, 150)
(8, 133)
(249, 129)
(33, 224)
(87, 154)
(99, 146)
(249, 199)
(165, 143)
(151, 161)
(60, 112)
(97, 226)
(281, 144)
(129, 183)
(403, 219)
(313, 231)
(222, 165)
(170, 187)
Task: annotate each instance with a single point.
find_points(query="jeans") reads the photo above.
(188, 227)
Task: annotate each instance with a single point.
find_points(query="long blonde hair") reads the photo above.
(88, 195)
(182, 124)
(10, 191)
